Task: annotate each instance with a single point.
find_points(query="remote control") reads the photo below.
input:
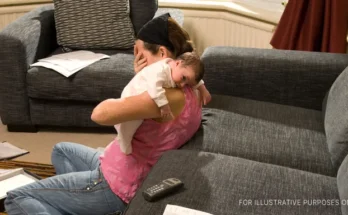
(162, 189)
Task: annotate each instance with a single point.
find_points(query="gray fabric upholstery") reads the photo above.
(32, 37)
(141, 12)
(271, 112)
(270, 133)
(216, 184)
(286, 77)
(102, 24)
(23, 42)
(336, 118)
(53, 113)
(176, 14)
(101, 80)
(323, 110)
(342, 184)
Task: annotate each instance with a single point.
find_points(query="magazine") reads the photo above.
(11, 179)
(9, 151)
(69, 63)
(178, 210)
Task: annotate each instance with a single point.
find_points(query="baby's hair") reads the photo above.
(193, 59)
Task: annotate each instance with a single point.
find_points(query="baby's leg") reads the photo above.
(126, 131)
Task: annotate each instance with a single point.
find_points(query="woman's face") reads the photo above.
(150, 58)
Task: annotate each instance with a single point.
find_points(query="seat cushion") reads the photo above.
(101, 80)
(336, 118)
(265, 132)
(224, 185)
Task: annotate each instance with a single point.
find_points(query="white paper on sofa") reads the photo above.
(178, 210)
(69, 63)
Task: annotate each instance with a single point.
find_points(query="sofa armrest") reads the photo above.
(294, 78)
(22, 42)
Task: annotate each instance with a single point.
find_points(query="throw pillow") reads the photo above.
(93, 24)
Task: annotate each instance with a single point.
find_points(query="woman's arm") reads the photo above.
(115, 111)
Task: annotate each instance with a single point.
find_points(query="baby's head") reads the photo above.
(188, 70)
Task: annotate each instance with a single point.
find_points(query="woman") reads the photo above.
(88, 182)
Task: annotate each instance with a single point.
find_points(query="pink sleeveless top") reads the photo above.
(125, 173)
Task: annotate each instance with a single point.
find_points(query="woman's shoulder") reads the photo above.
(180, 99)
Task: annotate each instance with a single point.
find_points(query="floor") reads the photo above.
(40, 144)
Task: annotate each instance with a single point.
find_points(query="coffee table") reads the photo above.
(41, 170)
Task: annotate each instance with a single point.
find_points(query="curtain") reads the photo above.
(313, 25)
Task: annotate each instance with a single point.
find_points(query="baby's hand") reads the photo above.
(205, 95)
(166, 112)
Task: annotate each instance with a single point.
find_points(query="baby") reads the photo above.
(187, 69)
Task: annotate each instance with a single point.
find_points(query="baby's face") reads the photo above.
(183, 76)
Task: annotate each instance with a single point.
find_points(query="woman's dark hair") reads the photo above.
(179, 38)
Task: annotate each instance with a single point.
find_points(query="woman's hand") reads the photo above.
(139, 61)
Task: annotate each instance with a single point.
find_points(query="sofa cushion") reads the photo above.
(265, 132)
(86, 24)
(224, 185)
(342, 179)
(277, 113)
(101, 80)
(336, 118)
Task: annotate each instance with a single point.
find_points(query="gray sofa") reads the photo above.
(270, 143)
(270, 135)
(33, 97)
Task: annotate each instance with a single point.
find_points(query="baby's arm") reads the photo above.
(204, 93)
(155, 83)
(200, 83)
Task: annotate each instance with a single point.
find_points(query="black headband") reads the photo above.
(156, 32)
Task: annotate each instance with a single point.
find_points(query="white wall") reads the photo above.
(226, 23)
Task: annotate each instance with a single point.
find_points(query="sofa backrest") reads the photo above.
(336, 119)
(142, 11)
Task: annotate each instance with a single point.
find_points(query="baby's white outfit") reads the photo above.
(153, 79)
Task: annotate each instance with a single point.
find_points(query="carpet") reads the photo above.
(41, 170)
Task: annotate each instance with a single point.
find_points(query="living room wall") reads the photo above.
(226, 25)
(10, 10)
(209, 23)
